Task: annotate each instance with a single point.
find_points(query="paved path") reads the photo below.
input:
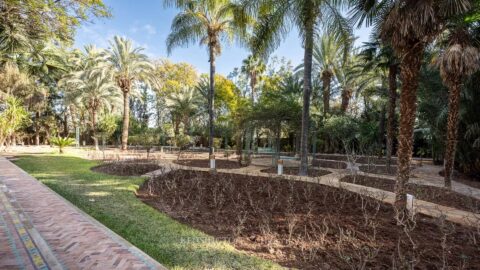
(333, 179)
(41, 230)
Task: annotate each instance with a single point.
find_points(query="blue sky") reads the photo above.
(147, 23)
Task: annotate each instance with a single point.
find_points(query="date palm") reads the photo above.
(408, 26)
(457, 61)
(93, 87)
(253, 67)
(379, 57)
(209, 23)
(275, 19)
(129, 66)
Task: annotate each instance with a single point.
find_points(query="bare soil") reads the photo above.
(309, 226)
(329, 164)
(294, 171)
(205, 163)
(432, 194)
(126, 168)
(380, 169)
(361, 159)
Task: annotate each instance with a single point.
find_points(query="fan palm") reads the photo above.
(457, 61)
(275, 18)
(408, 26)
(129, 65)
(210, 23)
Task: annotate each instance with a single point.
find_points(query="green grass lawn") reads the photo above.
(111, 200)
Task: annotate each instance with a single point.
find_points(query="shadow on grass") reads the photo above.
(111, 200)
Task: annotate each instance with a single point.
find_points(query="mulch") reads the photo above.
(432, 194)
(205, 163)
(305, 225)
(126, 168)
(294, 171)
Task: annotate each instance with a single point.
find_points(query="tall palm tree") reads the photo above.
(408, 26)
(457, 61)
(210, 23)
(378, 57)
(93, 87)
(328, 55)
(275, 18)
(253, 67)
(129, 65)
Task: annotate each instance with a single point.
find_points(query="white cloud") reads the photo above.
(151, 30)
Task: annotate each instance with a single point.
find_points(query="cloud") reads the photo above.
(150, 29)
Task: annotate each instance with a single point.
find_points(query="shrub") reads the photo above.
(62, 142)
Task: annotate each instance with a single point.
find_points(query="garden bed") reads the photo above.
(306, 225)
(294, 171)
(471, 181)
(381, 169)
(432, 194)
(127, 168)
(329, 164)
(360, 159)
(205, 163)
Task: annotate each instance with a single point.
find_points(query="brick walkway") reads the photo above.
(41, 230)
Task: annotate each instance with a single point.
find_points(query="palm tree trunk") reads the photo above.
(410, 69)
(65, 123)
(37, 128)
(94, 128)
(326, 83)
(307, 91)
(211, 97)
(126, 118)
(452, 131)
(392, 100)
(346, 95)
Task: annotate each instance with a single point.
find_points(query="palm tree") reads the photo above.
(457, 61)
(378, 57)
(94, 87)
(328, 56)
(253, 67)
(183, 106)
(129, 65)
(408, 26)
(210, 23)
(275, 20)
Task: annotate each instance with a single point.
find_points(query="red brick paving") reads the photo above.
(75, 239)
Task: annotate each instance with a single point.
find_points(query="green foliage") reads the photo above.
(61, 143)
(12, 117)
(107, 125)
(182, 141)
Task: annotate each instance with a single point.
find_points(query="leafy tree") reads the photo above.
(12, 116)
(275, 18)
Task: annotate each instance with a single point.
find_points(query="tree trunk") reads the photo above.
(392, 101)
(452, 131)
(410, 69)
(326, 85)
(65, 123)
(37, 128)
(307, 91)
(126, 118)
(346, 95)
(94, 129)
(211, 97)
